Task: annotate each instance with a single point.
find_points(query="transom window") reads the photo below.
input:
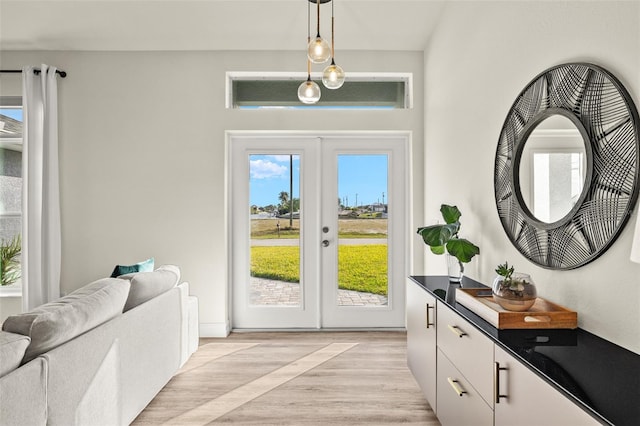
(250, 90)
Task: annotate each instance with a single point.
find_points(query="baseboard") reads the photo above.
(216, 329)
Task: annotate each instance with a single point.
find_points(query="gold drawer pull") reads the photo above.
(428, 316)
(454, 384)
(455, 330)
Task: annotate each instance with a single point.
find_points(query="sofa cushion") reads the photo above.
(12, 349)
(147, 285)
(144, 266)
(57, 322)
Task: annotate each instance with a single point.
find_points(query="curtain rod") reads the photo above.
(63, 74)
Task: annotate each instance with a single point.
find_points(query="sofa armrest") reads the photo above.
(12, 349)
(23, 395)
(189, 323)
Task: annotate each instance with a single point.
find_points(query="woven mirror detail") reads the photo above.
(606, 118)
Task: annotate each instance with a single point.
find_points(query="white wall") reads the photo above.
(142, 154)
(478, 60)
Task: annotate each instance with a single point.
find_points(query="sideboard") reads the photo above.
(472, 373)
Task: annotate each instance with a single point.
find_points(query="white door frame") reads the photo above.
(403, 264)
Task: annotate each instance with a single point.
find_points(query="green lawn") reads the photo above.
(362, 267)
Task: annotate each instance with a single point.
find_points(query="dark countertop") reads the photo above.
(601, 377)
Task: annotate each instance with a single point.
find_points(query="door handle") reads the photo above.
(496, 382)
(325, 243)
(428, 316)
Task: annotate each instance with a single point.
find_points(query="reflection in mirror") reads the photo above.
(552, 169)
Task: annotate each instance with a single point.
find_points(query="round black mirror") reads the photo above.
(567, 209)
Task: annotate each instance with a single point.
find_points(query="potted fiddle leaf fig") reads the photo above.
(444, 239)
(10, 260)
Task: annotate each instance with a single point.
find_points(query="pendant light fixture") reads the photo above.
(333, 75)
(309, 91)
(318, 51)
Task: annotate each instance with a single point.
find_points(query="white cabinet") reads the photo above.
(461, 371)
(421, 339)
(526, 399)
(459, 403)
(470, 351)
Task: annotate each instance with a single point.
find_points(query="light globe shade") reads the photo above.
(319, 51)
(333, 77)
(309, 92)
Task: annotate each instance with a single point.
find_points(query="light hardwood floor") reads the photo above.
(294, 378)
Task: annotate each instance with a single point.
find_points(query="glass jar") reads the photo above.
(516, 293)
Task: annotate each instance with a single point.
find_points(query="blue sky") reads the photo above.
(364, 175)
(15, 113)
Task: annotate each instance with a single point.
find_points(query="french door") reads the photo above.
(318, 229)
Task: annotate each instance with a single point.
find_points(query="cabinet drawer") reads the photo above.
(468, 349)
(458, 401)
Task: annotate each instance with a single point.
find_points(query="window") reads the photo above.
(558, 178)
(10, 178)
(250, 90)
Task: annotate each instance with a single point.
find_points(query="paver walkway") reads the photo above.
(295, 242)
(271, 292)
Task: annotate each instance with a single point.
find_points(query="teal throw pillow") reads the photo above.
(146, 266)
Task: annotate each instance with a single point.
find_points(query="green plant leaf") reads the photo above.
(437, 249)
(505, 270)
(10, 260)
(437, 235)
(462, 249)
(450, 214)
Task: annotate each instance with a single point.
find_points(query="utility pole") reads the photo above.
(291, 191)
(356, 200)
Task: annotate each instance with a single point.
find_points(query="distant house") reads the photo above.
(379, 208)
(294, 215)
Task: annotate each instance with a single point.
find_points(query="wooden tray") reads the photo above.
(543, 314)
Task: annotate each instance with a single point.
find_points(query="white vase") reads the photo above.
(455, 270)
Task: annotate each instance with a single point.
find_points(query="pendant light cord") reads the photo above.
(333, 49)
(318, 3)
(308, 40)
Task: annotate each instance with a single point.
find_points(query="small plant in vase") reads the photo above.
(514, 291)
(444, 239)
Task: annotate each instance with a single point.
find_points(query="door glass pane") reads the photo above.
(362, 230)
(275, 230)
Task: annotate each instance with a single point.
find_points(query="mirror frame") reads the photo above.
(606, 117)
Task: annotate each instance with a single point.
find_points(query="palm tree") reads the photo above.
(284, 198)
(10, 260)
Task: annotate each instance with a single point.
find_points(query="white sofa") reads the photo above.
(86, 362)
